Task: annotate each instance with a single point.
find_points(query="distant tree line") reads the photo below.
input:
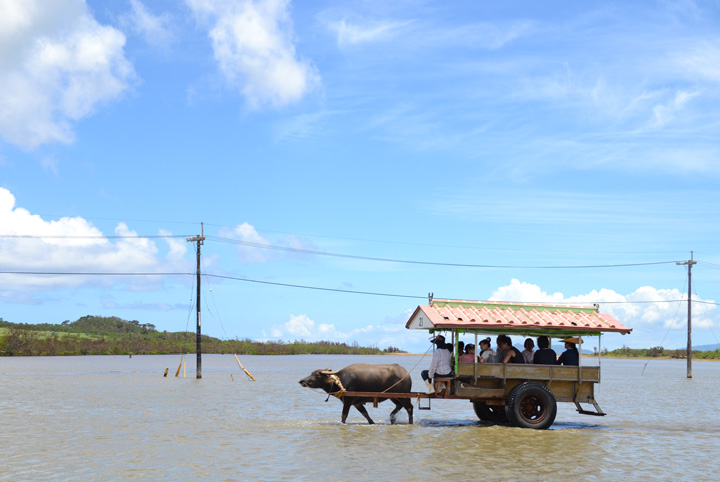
(660, 352)
(99, 335)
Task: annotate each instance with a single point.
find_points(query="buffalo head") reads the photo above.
(319, 379)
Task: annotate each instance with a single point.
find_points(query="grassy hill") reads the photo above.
(98, 335)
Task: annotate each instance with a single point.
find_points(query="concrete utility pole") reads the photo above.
(689, 264)
(199, 240)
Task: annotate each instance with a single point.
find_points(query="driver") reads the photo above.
(440, 364)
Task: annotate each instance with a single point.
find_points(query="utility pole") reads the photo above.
(199, 240)
(689, 264)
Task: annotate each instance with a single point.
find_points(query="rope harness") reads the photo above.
(335, 380)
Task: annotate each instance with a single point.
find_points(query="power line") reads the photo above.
(123, 220)
(426, 263)
(709, 265)
(347, 256)
(135, 236)
(311, 235)
(319, 288)
(92, 273)
(429, 245)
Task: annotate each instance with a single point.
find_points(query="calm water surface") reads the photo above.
(117, 418)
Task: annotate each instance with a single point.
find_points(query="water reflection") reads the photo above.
(116, 418)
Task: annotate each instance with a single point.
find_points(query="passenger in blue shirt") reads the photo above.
(570, 356)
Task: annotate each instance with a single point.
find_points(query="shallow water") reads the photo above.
(115, 418)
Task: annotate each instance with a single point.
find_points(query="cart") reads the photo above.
(516, 394)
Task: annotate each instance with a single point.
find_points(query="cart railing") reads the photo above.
(547, 373)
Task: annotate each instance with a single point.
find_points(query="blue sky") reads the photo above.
(529, 135)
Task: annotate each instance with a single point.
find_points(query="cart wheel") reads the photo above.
(490, 413)
(531, 405)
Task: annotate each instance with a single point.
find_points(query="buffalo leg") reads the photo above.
(393, 414)
(346, 410)
(361, 409)
(409, 408)
(402, 403)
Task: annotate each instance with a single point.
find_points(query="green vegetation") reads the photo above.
(97, 335)
(660, 352)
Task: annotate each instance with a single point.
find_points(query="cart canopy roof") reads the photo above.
(528, 319)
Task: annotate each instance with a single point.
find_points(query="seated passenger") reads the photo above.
(461, 352)
(570, 356)
(487, 354)
(528, 351)
(512, 354)
(545, 355)
(499, 352)
(469, 355)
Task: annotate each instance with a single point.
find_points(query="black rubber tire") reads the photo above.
(490, 413)
(531, 405)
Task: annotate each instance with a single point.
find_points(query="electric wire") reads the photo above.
(95, 273)
(339, 255)
(427, 245)
(416, 262)
(707, 320)
(674, 317)
(319, 288)
(213, 299)
(99, 236)
(217, 312)
(310, 235)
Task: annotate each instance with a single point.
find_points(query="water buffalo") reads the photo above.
(364, 378)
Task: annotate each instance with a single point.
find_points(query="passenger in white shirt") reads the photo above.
(440, 364)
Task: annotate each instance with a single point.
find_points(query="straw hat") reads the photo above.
(573, 339)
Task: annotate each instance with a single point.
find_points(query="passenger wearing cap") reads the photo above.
(570, 356)
(440, 364)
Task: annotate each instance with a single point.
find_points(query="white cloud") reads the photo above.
(57, 64)
(651, 312)
(665, 113)
(484, 35)
(524, 293)
(254, 46)
(657, 317)
(357, 33)
(246, 233)
(303, 327)
(155, 29)
(302, 126)
(74, 245)
(382, 335)
(699, 62)
(249, 251)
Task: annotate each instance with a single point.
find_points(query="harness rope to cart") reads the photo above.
(413, 368)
